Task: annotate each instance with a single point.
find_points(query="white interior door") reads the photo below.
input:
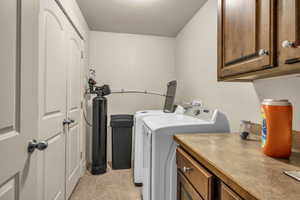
(18, 103)
(73, 161)
(52, 100)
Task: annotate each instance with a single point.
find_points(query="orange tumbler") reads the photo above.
(277, 128)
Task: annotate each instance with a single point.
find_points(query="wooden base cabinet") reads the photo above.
(185, 190)
(194, 182)
(193, 178)
(258, 39)
(228, 194)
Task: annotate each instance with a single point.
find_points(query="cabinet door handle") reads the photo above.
(263, 52)
(288, 44)
(186, 169)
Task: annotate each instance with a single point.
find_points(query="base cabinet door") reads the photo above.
(289, 32)
(197, 176)
(245, 36)
(228, 194)
(185, 191)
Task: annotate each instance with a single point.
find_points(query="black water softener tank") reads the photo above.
(99, 160)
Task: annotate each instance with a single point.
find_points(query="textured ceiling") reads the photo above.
(153, 17)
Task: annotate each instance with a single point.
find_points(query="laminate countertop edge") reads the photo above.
(226, 178)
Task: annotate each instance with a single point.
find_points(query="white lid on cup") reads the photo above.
(276, 102)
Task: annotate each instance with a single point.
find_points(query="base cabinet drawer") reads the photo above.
(185, 191)
(199, 177)
(228, 194)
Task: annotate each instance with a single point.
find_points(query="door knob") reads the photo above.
(37, 145)
(68, 121)
(288, 44)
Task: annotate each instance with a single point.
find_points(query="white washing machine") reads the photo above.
(138, 142)
(160, 149)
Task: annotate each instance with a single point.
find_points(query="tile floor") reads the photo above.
(114, 185)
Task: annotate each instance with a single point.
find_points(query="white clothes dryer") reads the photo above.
(138, 142)
(159, 153)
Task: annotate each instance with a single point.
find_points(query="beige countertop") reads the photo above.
(242, 166)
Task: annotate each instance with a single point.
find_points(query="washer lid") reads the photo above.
(142, 114)
(164, 121)
(148, 111)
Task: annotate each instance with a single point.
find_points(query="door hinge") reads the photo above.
(82, 55)
(81, 104)
(81, 155)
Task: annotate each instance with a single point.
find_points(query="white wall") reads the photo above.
(281, 88)
(132, 62)
(196, 70)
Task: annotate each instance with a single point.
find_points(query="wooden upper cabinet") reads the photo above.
(245, 36)
(289, 32)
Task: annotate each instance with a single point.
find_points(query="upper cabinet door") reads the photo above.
(245, 36)
(289, 31)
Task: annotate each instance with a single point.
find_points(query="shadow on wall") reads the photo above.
(281, 88)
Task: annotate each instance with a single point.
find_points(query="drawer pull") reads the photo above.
(186, 169)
